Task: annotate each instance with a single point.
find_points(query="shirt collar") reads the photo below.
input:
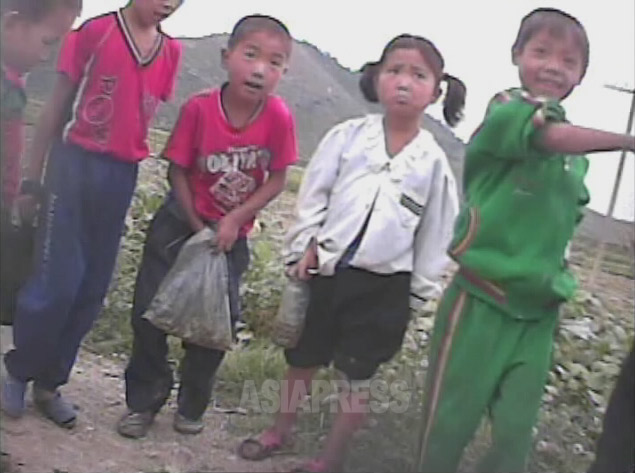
(375, 138)
(377, 156)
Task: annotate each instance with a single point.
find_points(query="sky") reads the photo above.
(475, 39)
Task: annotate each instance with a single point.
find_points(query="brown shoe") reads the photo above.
(186, 426)
(135, 425)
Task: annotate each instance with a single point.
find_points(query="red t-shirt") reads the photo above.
(226, 165)
(118, 90)
(12, 104)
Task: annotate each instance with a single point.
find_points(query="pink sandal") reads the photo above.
(316, 465)
(258, 449)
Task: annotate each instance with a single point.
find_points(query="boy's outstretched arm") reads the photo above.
(179, 182)
(230, 225)
(565, 138)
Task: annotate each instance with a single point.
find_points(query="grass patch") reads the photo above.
(294, 179)
(262, 286)
(257, 362)
(157, 140)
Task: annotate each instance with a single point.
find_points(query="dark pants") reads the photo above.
(80, 226)
(16, 254)
(616, 445)
(148, 375)
(355, 319)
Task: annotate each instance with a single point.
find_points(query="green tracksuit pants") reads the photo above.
(483, 361)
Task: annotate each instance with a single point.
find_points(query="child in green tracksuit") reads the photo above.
(524, 193)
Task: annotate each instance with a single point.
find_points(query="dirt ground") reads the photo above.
(33, 444)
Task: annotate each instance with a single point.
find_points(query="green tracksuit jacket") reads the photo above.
(522, 206)
(491, 347)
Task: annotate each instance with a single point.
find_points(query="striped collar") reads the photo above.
(134, 49)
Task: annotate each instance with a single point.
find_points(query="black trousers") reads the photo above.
(148, 375)
(616, 446)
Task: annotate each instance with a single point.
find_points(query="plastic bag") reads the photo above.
(192, 301)
(289, 321)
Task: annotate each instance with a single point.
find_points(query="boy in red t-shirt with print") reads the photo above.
(228, 157)
(113, 70)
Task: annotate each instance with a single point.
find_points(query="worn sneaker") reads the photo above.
(187, 426)
(12, 394)
(55, 407)
(135, 425)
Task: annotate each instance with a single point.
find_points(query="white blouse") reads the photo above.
(410, 201)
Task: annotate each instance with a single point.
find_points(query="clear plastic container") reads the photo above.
(291, 315)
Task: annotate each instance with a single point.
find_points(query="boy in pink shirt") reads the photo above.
(121, 85)
(228, 157)
(113, 70)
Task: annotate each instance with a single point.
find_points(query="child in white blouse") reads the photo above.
(374, 218)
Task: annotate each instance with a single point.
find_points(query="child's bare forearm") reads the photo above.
(183, 193)
(273, 186)
(571, 139)
(45, 131)
(50, 125)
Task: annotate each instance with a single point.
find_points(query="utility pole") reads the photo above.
(599, 256)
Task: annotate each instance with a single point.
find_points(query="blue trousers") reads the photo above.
(80, 226)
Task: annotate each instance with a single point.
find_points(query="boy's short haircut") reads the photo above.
(36, 10)
(251, 23)
(555, 21)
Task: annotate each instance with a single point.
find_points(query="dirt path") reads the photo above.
(36, 445)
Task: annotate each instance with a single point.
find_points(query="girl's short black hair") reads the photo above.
(554, 20)
(455, 96)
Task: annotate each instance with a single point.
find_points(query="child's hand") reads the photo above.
(309, 262)
(227, 233)
(197, 225)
